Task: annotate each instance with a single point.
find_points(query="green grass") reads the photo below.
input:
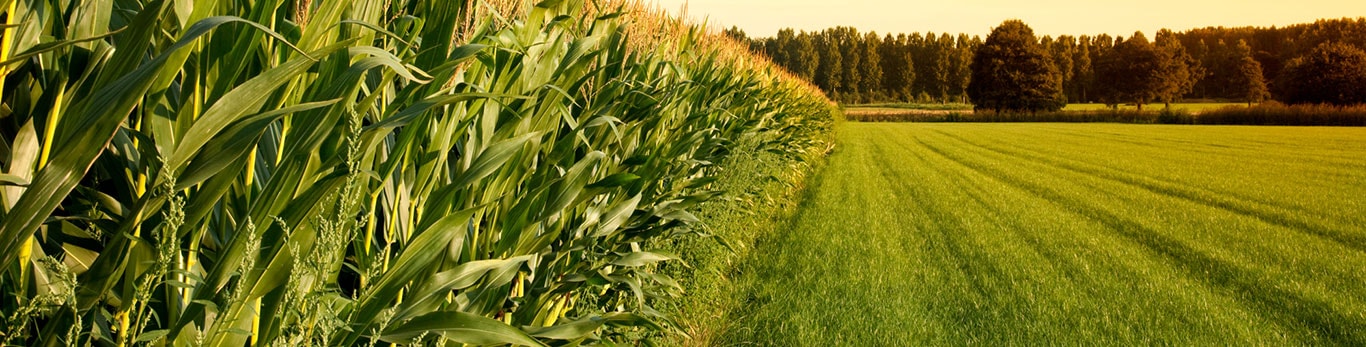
(1190, 107)
(1070, 234)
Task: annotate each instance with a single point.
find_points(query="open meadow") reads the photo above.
(1095, 234)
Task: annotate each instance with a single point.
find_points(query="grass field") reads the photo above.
(1070, 234)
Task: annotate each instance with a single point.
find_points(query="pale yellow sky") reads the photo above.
(1047, 17)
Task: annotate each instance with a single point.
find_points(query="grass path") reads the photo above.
(1071, 234)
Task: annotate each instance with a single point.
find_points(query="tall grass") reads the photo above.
(1105, 116)
(335, 172)
(1271, 113)
(1281, 114)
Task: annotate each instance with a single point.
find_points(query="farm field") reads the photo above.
(1094, 234)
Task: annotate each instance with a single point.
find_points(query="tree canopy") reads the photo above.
(1216, 63)
(1012, 72)
(1332, 73)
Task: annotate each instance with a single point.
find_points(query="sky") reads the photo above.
(763, 18)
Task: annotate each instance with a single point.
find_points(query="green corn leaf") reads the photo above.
(52, 46)
(493, 158)
(426, 248)
(12, 180)
(238, 103)
(636, 259)
(460, 327)
(461, 277)
(235, 142)
(614, 180)
(585, 327)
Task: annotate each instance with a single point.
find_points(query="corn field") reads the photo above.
(363, 172)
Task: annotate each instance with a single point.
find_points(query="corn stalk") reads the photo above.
(336, 172)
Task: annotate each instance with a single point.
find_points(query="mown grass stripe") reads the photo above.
(975, 233)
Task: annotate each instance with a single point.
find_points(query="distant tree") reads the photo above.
(871, 67)
(1082, 73)
(1134, 71)
(803, 56)
(960, 69)
(1101, 45)
(777, 48)
(851, 52)
(942, 67)
(1201, 53)
(1063, 49)
(830, 71)
(1011, 72)
(1332, 73)
(931, 67)
(1180, 72)
(736, 34)
(898, 68)
(1248, 84)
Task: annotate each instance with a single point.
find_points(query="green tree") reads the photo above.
(1134, 71)
(1011, 72)
(1332, 73)
(942, 66)
(960, 70)
(1062, 51)
(1082, 72)
(852, 53)
(931, 67)
(898, 68)
(777, 48)
(870, 67)
(804, 60)
(737, 34)
(1180, 72)
(830, 71)
(1248, 84)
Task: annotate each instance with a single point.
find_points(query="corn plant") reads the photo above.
(339, 172)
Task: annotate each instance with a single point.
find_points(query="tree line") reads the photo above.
(1245, 64)
(856, 67)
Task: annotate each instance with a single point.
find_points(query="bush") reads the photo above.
(1280, 114)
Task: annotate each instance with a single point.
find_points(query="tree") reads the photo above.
(777, 48)
(803, 59)
(930, 66)
(1062, 50)
(1180, 72)
(1332, 73)
(943, 66)
(898, 68)
(960, 71)
(735, 33)
(850, 52)
(830, 71)
(1134, 71)
(1082, 73)
(1011, 72)
(870, 67)
(1248, 84)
